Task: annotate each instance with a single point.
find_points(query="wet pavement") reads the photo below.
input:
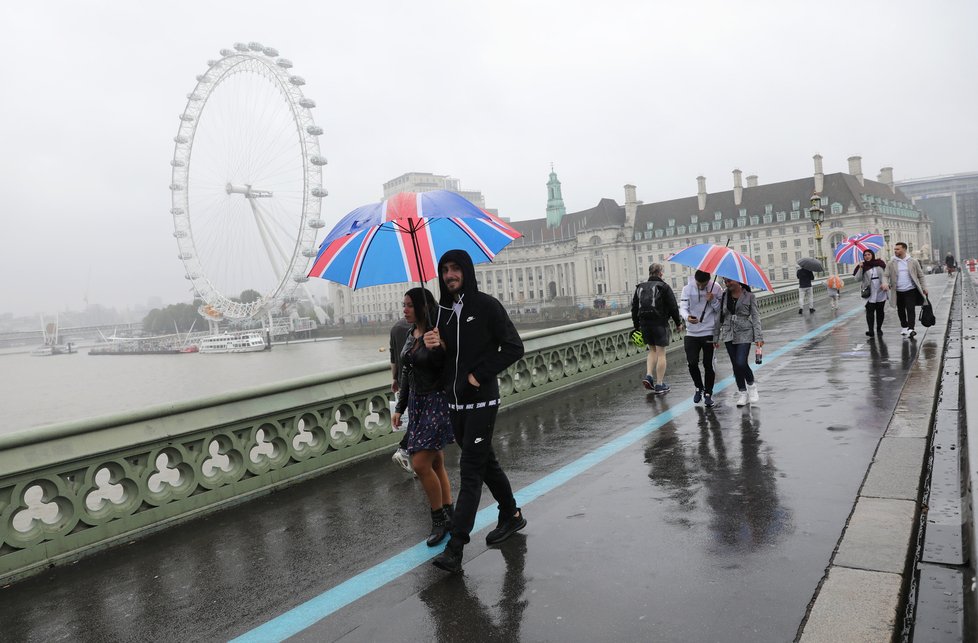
(663, 521)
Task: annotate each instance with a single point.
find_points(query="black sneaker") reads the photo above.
(506, 527)
(449, 560)
(912, 333)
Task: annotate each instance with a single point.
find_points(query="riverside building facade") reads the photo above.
(579, 258)
(951, 201)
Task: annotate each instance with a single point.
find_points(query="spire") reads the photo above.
(555, 201)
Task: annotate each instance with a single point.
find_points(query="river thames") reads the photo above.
(37, 391)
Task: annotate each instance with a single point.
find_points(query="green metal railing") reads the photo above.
(71, 489)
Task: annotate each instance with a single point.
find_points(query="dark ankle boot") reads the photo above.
(439, 527)
(451, 559)
(450, 515)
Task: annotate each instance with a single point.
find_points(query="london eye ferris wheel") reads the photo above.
(247, 184)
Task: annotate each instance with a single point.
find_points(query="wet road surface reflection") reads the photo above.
(716, 526)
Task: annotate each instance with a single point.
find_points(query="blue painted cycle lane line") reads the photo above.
(322, 606)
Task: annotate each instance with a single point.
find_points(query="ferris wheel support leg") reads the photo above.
(266, 238)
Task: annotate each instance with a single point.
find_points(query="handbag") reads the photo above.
(866, 291)
(927, 318)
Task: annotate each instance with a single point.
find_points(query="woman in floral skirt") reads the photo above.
(422, 394)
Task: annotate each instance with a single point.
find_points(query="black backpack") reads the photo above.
(648, 298)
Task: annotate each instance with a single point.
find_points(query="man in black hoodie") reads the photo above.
(480, 342)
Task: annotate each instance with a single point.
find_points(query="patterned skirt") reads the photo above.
(430, 426)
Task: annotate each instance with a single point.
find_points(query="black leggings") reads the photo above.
(693, 346)
(875, 310)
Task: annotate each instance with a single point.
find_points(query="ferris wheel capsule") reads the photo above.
(240, 46)
(284, 63)
(308, 103)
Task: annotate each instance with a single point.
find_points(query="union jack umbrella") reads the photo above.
(851, 250)
(401, 238)
(723, 262)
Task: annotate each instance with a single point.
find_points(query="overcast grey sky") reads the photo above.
(613, 92)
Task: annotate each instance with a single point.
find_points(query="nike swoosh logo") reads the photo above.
(477, 441)
(470, 319)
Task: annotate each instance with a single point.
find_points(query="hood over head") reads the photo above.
(469, 284)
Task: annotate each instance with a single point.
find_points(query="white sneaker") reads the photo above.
(752, 394)
(742, 398)
(904, 331)
(403, 459)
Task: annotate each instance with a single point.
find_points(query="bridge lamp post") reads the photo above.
(817, 215)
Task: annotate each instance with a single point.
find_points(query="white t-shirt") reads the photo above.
(904, 282)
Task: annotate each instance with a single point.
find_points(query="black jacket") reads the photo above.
(805, 277)
(668, 307)
(480, 337)
(421, 370)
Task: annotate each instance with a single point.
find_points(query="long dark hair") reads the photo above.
(424, 306)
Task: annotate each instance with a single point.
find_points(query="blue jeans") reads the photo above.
(738, 359)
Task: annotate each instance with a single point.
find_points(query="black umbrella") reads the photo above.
(811, 263)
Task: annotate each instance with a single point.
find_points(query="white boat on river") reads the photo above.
(247, 342)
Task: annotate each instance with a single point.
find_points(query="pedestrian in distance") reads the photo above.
(699, 303)
(834, 285)
(399, 333)
(805, 290)
(422, 394)
(480, 342)
(950, 264)
(653, 304)
(905, 275)
(874, 288)
(738, 325)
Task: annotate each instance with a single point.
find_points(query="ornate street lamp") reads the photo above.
(817, 215)
(886, 239)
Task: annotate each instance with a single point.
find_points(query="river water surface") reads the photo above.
(36, 391)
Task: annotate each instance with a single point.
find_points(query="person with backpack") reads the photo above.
(653, 305)
(698, 306)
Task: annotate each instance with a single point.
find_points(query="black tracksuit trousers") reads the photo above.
(473, 433)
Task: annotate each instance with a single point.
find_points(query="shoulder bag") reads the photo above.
(927, 318)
